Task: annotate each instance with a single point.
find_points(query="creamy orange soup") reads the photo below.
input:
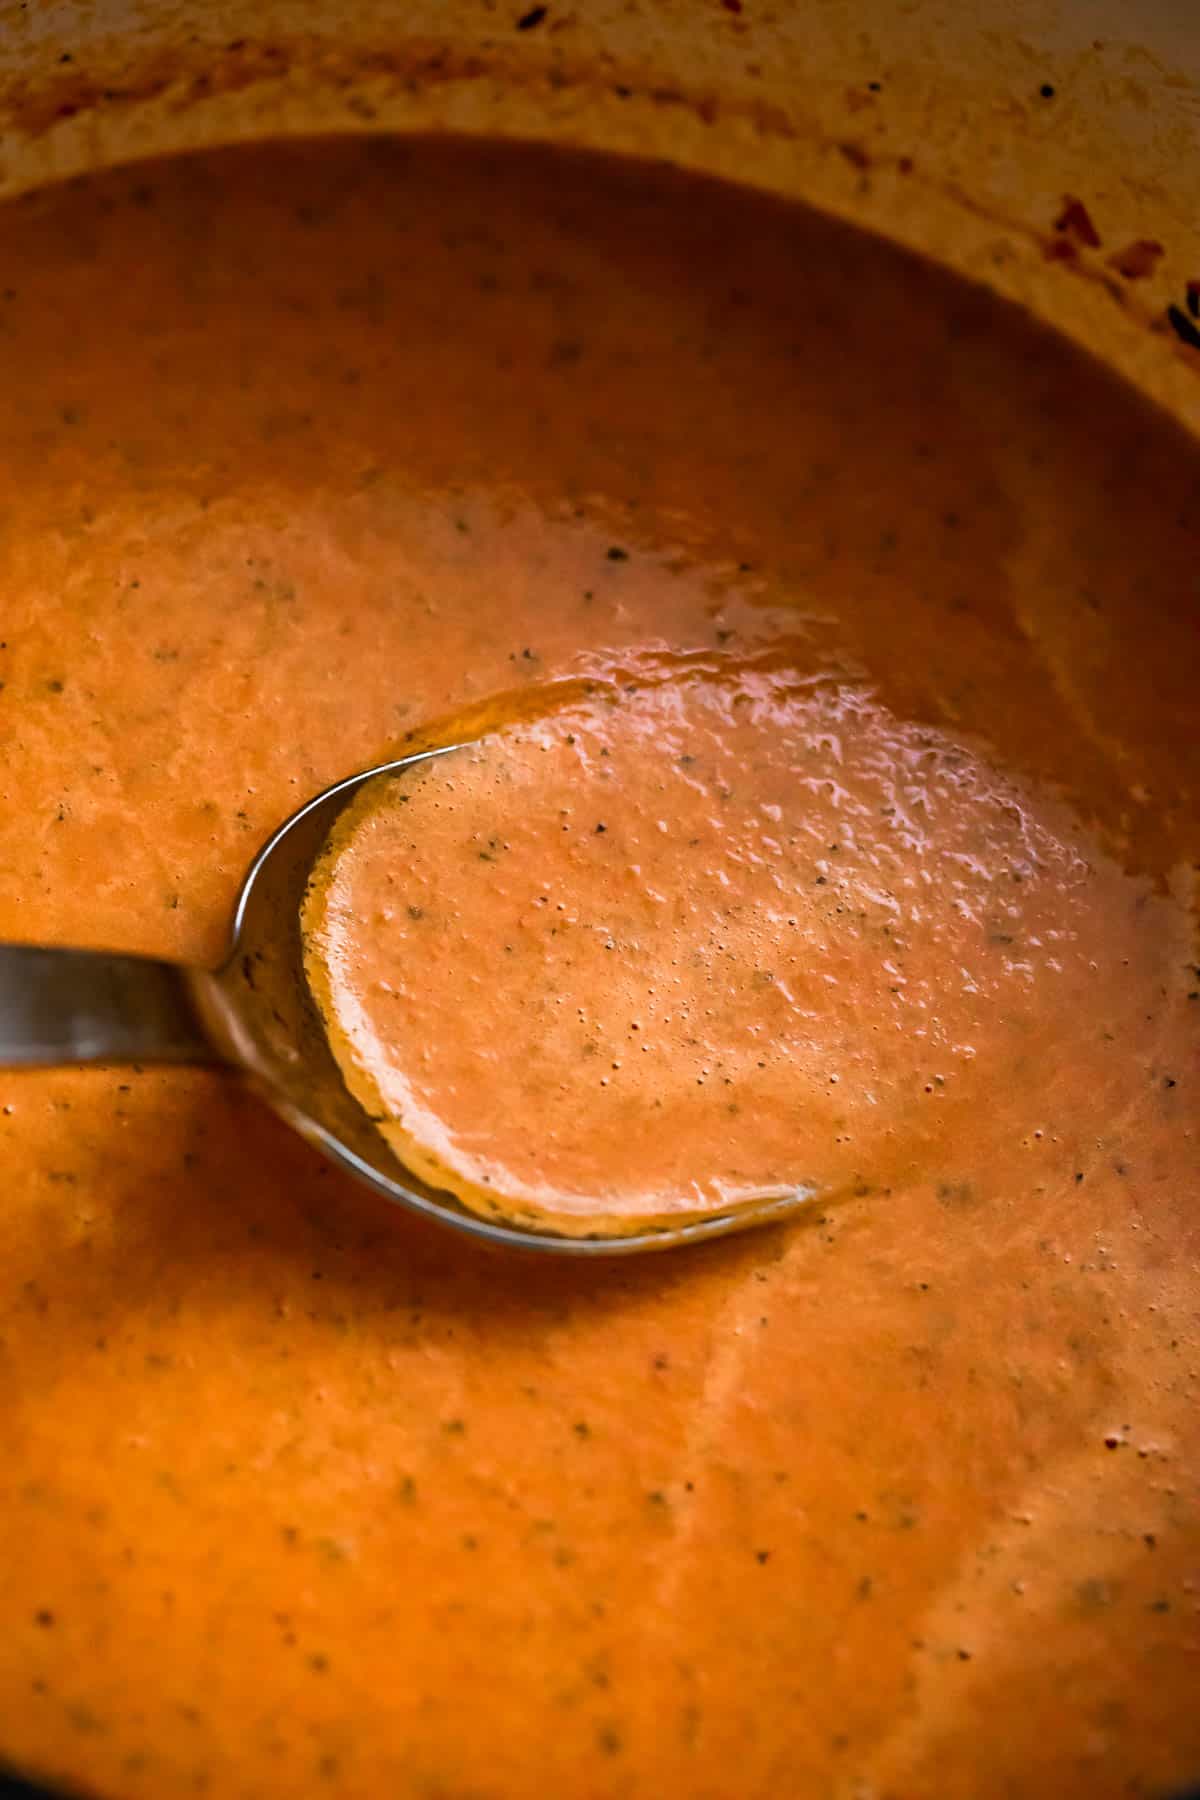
(715, 937)
(309, 451)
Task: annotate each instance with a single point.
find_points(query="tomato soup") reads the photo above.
(313, 452)
(711, 938)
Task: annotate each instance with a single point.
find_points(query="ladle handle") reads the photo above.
(87, 1006)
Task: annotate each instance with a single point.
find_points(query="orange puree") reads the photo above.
(683, 947)
(307, 451)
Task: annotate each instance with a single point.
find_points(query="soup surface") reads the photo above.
(710, 938)
(309, 450)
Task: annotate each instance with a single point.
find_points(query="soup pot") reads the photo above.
(1045, 149)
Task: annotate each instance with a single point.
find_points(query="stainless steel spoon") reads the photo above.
(254, 1015)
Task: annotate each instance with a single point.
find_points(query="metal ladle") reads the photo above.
(254, 1014)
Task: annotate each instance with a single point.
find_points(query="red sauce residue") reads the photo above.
(1076, 221)
(855, 154)
(1137, 260)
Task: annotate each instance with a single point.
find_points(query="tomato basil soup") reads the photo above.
(313, 452)
(709, 938)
